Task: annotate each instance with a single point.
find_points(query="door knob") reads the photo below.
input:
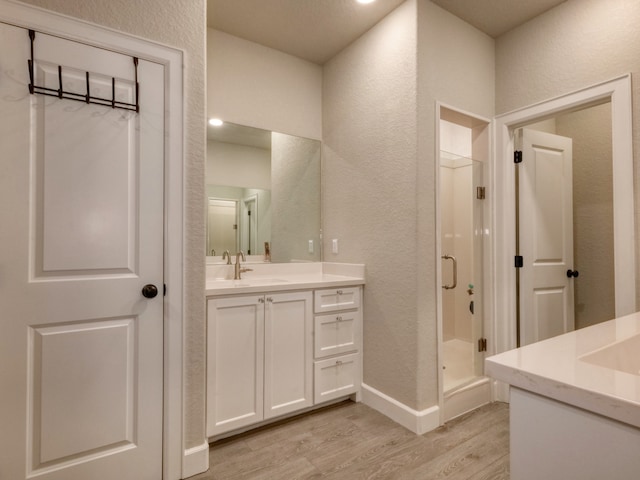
(572, 273)
(149, 291)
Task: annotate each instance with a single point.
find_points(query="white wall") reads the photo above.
(592, 212)
(253, 85)
(238, 165)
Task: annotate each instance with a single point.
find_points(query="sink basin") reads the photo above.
(249, 282)
(623, 356)
(246, 282)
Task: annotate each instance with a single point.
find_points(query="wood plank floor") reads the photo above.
(352, 441)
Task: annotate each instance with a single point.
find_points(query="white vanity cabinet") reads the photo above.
(259, 358)
(337, 343)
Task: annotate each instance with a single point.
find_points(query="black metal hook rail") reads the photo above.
(87, 97)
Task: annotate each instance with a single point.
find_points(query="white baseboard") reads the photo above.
(418, 422)
(500, 391)
(195, 460)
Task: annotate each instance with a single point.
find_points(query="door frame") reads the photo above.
(248, 222)
(618, 92)
(174, 456)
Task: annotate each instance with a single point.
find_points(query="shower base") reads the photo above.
(463, 389)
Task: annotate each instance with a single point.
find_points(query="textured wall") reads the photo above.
(575, 45)
(455, 67)
(379, 166)
(181, 24)
(590, 130)
(369, 190)
(253, 85)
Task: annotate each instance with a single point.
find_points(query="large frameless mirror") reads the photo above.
(263, 188)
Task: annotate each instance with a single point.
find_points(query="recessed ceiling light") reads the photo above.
(366, 1)
(216, 122)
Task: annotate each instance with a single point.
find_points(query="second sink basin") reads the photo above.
(623, 356)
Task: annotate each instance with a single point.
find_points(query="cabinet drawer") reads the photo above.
(336, 333)
(330, 300)
(336, 377)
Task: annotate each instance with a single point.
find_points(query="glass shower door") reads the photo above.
(462, 193)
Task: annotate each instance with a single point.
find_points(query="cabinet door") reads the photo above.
(337, 333)
(235, 362)
(288, 363)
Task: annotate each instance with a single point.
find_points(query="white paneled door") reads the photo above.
(81, 234)
(545, 236)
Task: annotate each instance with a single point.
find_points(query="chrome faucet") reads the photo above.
(226, 255)
(238, 270)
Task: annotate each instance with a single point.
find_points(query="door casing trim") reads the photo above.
(28, 16)
(618, 92)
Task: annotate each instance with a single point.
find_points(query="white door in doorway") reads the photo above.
(222, 224)
(81, 215)
(545, 236)
(250, 225)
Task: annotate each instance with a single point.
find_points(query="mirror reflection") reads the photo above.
(263, 188)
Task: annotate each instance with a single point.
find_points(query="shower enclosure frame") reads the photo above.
(476, 392)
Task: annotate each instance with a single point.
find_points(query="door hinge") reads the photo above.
(517, 156)
(519, 261)
(482, 344)
(481, 193)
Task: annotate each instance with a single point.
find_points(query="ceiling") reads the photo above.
(316, 30)
(495, 17)
(240, 135)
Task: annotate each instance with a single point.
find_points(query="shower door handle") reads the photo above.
(455, 271)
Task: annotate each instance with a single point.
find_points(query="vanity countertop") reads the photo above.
(596, 368)
(282, 277)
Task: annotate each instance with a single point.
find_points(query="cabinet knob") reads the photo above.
(338, 318)
(339, 292)
(261, 300)
(269, 299)
(338, 362)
